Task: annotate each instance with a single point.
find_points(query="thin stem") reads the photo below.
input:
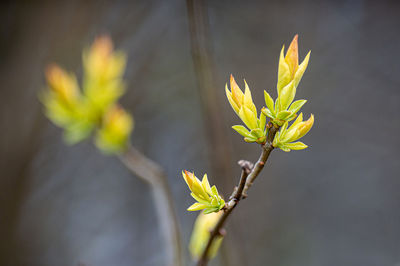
(246, 169)
(267, 148)
(230, 205)
(151, 173)
(249, 174)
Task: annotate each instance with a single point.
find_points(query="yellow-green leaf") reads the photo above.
(283, 115)
(197, 207)
(248, 101)
(267, 112)
(296, 145)
(283, 72)
(248, 117)
(301, 69)
(287, 95)
(296, 105)
(235, 107)
(269, 102)
(241, 130)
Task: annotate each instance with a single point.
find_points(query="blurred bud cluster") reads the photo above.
(94, 107)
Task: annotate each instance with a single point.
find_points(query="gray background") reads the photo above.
(336, 203)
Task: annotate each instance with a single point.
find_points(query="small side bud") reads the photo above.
(201, 233)
(306, 126)
(207, 197)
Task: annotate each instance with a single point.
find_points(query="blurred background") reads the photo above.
(335, 203)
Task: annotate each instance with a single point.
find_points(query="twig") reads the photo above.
(151, 173)
(229, 206)
(238, 192)
(246, 180)
(267, 148)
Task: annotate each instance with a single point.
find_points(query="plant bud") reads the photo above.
(201, 233)
(207, 197)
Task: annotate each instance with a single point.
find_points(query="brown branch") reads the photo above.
(246, 180)
(238, 191)
(267, 148)
(229, 206)
(151, 173)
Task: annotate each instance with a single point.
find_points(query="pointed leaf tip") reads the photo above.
(292, 55)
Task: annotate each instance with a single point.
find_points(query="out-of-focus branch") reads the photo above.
(219, 148)
(249, 174)
(205, 74)
(151, 173)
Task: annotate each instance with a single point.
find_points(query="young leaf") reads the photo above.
(269, 102)
(283, 72)
(301, 69)
(296, 145)
(291, 117)
(247, 100)
(196, 207)
(242, 130)
(250, 139)
(210, 210)
(295, 107)
(283, 115)
(284, 148)
(262, 120)
(267, 112)
(248, 117)
(287, 95)
(257, 132)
